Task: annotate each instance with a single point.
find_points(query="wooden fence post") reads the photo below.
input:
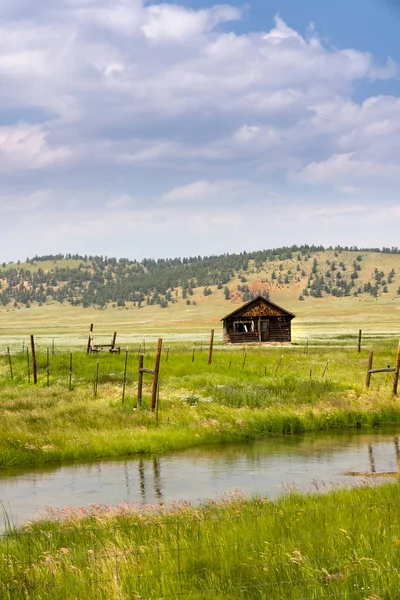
(114, 339)
(370, 360)
(326, 366)
(34, 365)
(70, 371)
(140, 381)
(29, 367)
(396, 373)
(47, 367)
(279, 364)
(89, 344)
(126, 366)
(359, 339)
(9, 360)
(210, 352)
(156, 374)
(244, 358)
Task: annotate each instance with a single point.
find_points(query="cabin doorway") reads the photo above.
(264, 330)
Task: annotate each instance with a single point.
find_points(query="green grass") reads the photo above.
(345, 544)
(240, 396)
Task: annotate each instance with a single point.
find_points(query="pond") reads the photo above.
(266, 467)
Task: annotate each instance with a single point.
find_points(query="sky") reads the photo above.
(161, 129)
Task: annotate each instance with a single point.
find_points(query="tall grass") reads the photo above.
(275, 390)
(345, 544)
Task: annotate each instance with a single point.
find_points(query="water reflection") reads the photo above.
(264, 467)
(373, 472)
(372, 463)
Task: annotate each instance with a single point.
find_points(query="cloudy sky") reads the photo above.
(135, 128)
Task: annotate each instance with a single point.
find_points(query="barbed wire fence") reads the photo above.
(342, 551)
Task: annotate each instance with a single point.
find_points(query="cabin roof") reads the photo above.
(255, 300)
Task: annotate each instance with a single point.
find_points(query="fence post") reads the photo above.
(140, 381)
(113, 341)
(359, 339)
(156, 374)
(279, 364)
(29, 367)
(326, 366)
(210, 352)
(90, 339)
(369, 367)
(70, 371)
(47, 367)
(158, 400)
(396, 373)
(9, 360)
(126, 366)
(34, 366)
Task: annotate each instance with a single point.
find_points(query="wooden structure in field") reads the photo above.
(94, 348)
(258, 321)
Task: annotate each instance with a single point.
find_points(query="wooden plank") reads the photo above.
(387, 370)
(151, 371)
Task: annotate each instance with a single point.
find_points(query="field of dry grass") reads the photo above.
(314, 317)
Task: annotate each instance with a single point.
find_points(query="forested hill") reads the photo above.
(309, 271)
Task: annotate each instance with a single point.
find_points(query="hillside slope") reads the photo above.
(317, 284)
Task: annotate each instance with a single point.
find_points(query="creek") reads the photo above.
(267, 467)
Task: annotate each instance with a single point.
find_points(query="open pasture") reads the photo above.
(245, 392)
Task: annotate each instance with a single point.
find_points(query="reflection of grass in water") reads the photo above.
(343, 544)
(199, 403)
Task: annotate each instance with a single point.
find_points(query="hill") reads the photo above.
(308, 280)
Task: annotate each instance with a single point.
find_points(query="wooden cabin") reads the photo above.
(258, 321)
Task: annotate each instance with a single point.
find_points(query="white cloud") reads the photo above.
(27, 147)
(205, 191)
(119, 201)
(343, 168)
(121, 91)
(168, 22)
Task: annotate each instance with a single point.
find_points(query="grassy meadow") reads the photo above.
(341, 544)
(345, 544)
(245, 393)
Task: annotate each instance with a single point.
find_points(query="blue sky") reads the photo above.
(134, 128)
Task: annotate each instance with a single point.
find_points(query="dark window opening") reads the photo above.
(243, 327)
